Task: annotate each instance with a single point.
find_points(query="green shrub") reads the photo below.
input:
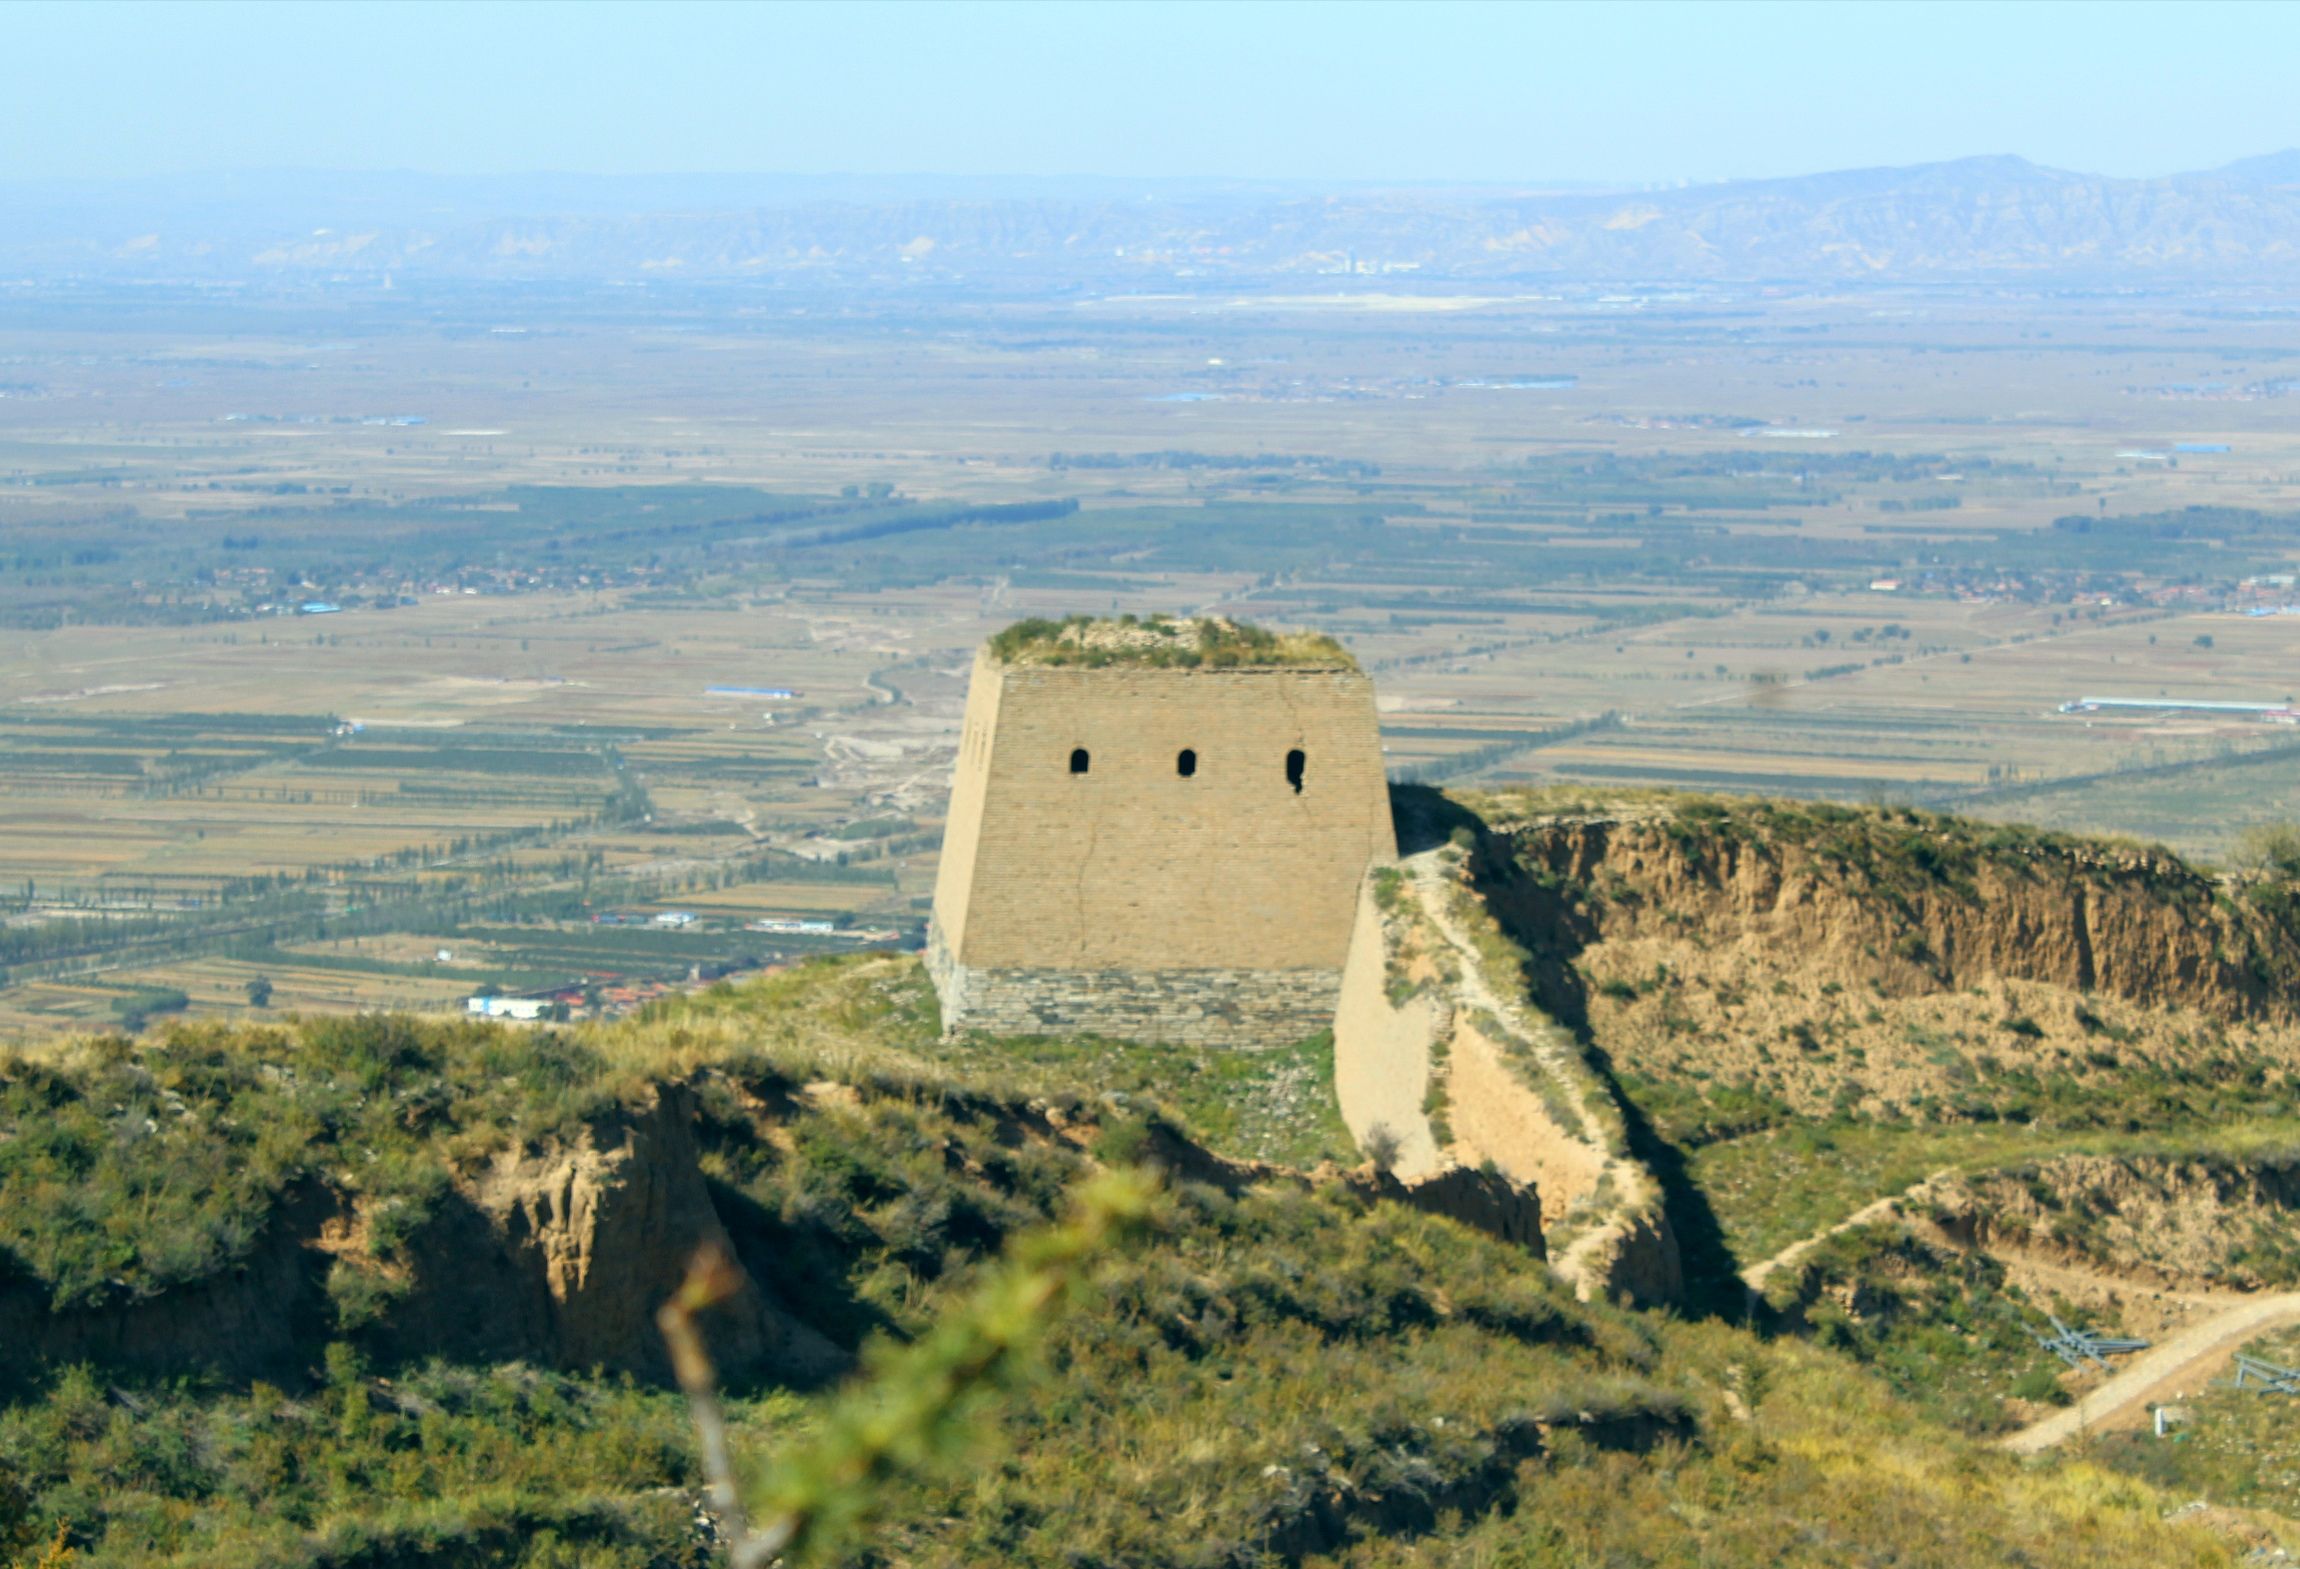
(362, 1295)
(1122, 1141)
(1280, 1373)
(2040, 1383)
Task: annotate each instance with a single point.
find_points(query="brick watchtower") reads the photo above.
(1157, 832)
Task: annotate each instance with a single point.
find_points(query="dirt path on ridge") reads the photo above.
(1432, 884)
(1431, 887)
(1755, 1276)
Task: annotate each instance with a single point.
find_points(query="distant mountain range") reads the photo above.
(1973, 219)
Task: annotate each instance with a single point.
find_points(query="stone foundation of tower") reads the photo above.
(1248, 1008)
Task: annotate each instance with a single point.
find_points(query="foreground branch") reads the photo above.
(910, 1412)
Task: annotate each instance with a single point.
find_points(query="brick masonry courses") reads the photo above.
(1196, 1007)
(1131, 900)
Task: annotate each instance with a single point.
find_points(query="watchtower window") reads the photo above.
(1079, 760)
(1296, 761)
(1186, 763)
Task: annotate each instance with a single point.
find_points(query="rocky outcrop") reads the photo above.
(1633, 1255)
(1488, 1201)
(1481, 1200)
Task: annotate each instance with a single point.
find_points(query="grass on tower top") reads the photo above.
(1164, 642)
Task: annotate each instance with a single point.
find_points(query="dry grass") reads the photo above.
(1214, 642)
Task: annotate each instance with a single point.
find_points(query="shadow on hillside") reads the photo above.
(806, 1271)
(1713, 1286)
(266, 1315)
(1548, 921)
(1425, 818)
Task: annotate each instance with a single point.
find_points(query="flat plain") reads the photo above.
(430, 617)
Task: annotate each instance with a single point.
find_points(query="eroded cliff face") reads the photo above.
(562, 1253)
(557, 1254)
(558, 1251)
(2212, 1221)
(1893, 963)
(1909, 907)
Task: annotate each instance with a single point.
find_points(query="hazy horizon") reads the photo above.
(1364, 94)
(876, 182)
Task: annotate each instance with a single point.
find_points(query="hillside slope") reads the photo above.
(1953, 1077)
(1290, 1369)
(1892, 962)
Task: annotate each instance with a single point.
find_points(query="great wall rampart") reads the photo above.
(1144, 845)
(1441, 1065)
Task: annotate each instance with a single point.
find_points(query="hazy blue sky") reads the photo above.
(1431, 90)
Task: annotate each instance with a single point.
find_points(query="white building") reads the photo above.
(505, 1007)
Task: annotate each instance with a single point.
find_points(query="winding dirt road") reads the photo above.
(2180, 1364)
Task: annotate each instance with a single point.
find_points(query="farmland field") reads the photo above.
(661, 608)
